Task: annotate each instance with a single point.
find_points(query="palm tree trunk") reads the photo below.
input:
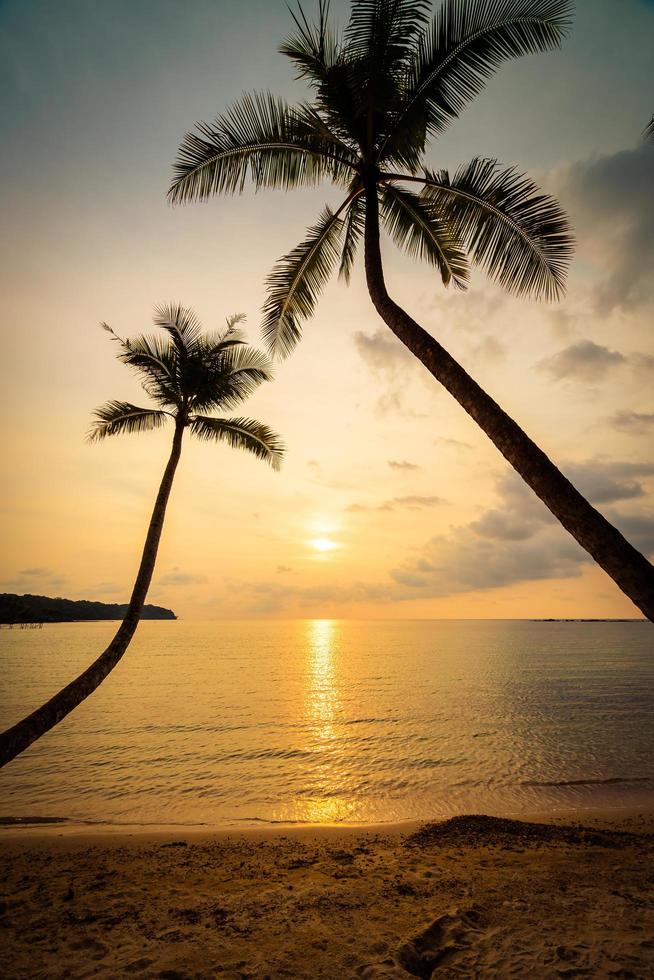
(16, 739)
(628, 568)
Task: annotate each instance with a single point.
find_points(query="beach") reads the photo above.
(564, 896)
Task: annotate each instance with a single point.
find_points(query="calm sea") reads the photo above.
(328, 720)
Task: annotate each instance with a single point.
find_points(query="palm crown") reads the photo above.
(187, 374)
(381, 88)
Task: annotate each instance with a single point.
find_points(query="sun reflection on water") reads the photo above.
(322, 708)
(321, 695)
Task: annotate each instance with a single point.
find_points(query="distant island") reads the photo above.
(15, 609)
(611, 620)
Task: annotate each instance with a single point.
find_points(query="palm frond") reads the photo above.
(261, 136)
(648, 132)
(331, 71)
(419, 230)
(520, 236)
(232, 322)
(313, 48)
(379, 43)
(384, 31)
(115, 418)
(155, 361)
(181, 323)
(241, 433)
(466, 43)
(296, 280)
(355, 221)
(228, 376)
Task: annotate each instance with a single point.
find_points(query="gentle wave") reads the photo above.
(333, 721)
(609, 781)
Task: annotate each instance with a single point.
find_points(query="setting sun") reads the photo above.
(323, 544)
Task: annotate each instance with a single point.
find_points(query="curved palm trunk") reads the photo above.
(628, 568)
(16, 739)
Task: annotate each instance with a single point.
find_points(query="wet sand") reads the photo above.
(470, 897)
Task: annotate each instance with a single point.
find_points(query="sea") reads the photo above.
(333, 721)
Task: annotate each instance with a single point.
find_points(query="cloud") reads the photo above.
(382, 351)
(177, 577)
(633, 422)
(584, 360)
(520, 540)
(454, 443)
(392, 363)
(464, 562)
(35, 577)
(590, 362)
(613, 212)
(402, 465)
(516, 541)
(638, 528)
(504, 527)
(487, 348)
(606, 483)
(409, 502)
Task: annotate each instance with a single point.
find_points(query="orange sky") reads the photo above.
(425, 517)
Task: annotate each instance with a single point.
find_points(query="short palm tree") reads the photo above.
(187, 374)
(380, 89)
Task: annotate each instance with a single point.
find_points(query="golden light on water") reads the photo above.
(322, 707)
(321, 694)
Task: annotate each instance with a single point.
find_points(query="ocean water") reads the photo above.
(334, 721)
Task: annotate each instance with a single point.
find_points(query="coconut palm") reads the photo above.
(187, 375)
(394, 78)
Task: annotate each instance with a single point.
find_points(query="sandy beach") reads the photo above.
(471, 897)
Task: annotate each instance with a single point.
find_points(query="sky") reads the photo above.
(423, 516)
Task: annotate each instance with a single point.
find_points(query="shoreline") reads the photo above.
(468, 896)
(42, 829)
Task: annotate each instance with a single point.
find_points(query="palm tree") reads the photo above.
(187, 375)
(648, 132)
(380, 89)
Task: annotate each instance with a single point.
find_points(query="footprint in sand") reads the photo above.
(431, 948)
(441, 941)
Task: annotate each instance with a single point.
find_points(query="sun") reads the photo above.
(323, 544)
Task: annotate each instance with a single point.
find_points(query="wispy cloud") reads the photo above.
(408, 502)
(178, 577)
(633, 422)
(402, 465)
(392, 364)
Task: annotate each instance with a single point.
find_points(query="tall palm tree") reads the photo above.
(381, 88)
(186, 374)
